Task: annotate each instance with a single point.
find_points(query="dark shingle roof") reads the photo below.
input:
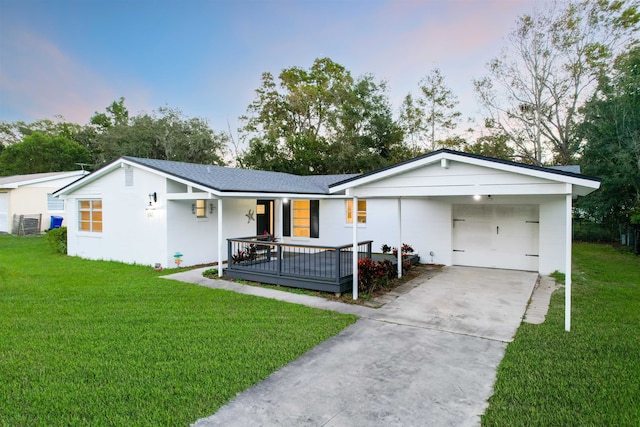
(569, 168)
(226, 179)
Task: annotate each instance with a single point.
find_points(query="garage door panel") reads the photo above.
(496, 236)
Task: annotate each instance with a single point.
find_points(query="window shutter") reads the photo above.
(315, 218)
(286, 218)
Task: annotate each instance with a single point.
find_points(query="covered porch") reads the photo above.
(313, 267)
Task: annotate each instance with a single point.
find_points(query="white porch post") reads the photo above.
(221, 245)
(567, 266)
(279, 230)
(399, 238)
(354, 223)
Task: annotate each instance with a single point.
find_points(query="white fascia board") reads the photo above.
(523, 170)
(256, 195)
(468, 160)
(44, 179)
(462, 190)
(89, 178)
(236, 195)
(191, 196)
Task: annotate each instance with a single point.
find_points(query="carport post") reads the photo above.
(567, 266)
(399, 254)
(354, 223)
(220, 239)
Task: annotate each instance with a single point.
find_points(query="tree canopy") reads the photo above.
(427, 119)
(554, 57)
(39, 152)
(320, 121)
(164, 134)
(612, 151)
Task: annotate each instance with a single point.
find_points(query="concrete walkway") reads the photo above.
(539, 304)
(426, 358)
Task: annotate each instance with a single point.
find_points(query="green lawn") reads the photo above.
(589, 376)
(101, 343)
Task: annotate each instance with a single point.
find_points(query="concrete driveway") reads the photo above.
(427, 358)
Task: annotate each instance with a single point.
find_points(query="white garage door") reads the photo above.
(496, 236)
(4, 213)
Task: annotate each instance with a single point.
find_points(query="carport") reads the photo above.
(493, 213)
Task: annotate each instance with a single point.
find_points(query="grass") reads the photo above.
(589, 376)
(103, 343)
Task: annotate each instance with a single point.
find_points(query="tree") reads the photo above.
(42, 153)
(411, 121)
(550, 66)
(164, 134)
(13, 132)
(429, 118)
(439, 103)
(319, 121)
(611, 128)
(116, 115)
(495, 145)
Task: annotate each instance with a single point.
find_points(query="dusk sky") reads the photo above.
(74, 57)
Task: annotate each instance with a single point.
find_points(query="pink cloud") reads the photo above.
(38, 80)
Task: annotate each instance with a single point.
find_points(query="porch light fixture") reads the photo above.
(477, 197)
(153, 198)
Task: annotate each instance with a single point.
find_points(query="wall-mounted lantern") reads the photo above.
(153, 199)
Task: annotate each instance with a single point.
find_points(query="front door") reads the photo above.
(264, 217)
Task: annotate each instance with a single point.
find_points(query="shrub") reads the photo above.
(406, 250)
(373, 275)
(210, 272)
(57, 238)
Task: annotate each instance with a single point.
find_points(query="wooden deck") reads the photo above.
(320, 268)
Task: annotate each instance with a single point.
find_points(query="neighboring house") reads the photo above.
(455, 209)
(32, 195)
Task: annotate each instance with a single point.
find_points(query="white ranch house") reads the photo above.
(453, 208)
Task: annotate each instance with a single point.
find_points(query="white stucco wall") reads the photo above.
(552, 235)
(426, 226)
(129, 234)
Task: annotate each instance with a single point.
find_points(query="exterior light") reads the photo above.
(153, 198)
(477, 197)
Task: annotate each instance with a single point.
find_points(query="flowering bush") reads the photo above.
(405, 249)
(372, 275)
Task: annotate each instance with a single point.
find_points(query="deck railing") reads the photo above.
(259, 257)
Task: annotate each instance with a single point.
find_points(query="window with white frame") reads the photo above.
(301, 218)
(362, 212)
(90, 215)
(54, 203)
